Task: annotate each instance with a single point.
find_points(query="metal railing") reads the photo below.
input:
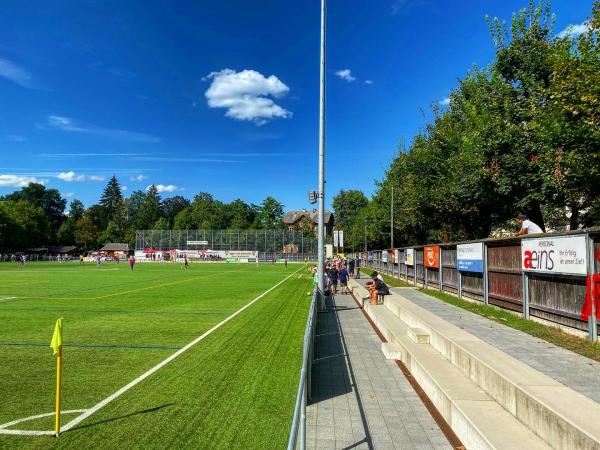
(298, 429)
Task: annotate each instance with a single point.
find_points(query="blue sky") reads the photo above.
(223, 96)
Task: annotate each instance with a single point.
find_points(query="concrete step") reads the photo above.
(477, 419)
(418, 335)
(391, 350)
(560, 416)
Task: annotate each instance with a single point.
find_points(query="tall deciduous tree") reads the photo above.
(271, 213)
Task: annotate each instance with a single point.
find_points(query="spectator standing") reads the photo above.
(131, 261)
(343, 275)
(333, 276)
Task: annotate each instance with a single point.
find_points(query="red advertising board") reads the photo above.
(431, 257)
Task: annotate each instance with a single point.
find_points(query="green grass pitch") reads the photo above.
(234, 389)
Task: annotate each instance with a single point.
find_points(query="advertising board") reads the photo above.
(410, 257)
(431, 257)
(384, 256)
(559, 255)
(469, 257)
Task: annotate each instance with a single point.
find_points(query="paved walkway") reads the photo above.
(360, 399)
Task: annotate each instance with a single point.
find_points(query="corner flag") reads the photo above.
(56, 342)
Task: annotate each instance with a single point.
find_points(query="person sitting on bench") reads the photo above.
(376, 288)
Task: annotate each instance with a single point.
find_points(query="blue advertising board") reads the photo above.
(469, 257)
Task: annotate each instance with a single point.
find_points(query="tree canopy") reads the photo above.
(520, 136)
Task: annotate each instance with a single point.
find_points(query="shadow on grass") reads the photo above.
(112, 419)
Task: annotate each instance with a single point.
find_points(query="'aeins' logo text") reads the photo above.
(539, 259)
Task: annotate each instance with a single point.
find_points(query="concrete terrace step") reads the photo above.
(391, 350)
(459, 400)
(559, 416)
(418, 335)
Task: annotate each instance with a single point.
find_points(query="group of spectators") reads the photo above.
(337, 272)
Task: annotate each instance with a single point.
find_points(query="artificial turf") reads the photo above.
(235, 389)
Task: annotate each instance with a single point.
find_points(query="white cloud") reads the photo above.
(346, 74)
(69, 194)
(245, 95)
(138, 177)
(19, 180)
(165, 188)
(15, 73)
(97, 178)
(124, 188)
(574, 30)
(71, 125)
(368, 81)
(445, 101)
(70, 176)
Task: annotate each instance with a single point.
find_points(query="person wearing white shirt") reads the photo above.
(527, 226)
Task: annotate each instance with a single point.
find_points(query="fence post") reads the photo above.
(486, 295)
(592, 320)
(459, 275)
(525, 295)
(425, 276)
(441, 274)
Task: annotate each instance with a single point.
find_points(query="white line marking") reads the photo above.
(161, 364)
(7, 299)
(3, 427)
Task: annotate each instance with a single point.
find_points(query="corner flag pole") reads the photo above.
(56, 345)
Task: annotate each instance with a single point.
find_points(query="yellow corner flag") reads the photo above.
(56, 344)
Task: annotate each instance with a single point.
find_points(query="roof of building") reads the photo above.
(112, 247)
(292, 217)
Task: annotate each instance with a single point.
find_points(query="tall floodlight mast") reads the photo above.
(321, 229)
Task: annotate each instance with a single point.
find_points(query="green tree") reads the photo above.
(112, 198)
(150, 210)
(240, 215)
(172, 206)
(86, 233)
(23, 225)
(271, 213)
(346, 205)
(161, 224)
(49, 200)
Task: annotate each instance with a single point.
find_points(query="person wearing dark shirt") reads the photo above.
(343, 275)
(333, 277)
(351, 268)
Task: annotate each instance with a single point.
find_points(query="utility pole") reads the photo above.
(392, 220)
(321, 238)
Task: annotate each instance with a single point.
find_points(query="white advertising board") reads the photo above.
(410, 257)
(384, 256)
(335, 238)
(560, 255)
(197, 242)
(242, 254)
(341, 238)
(469, 257)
